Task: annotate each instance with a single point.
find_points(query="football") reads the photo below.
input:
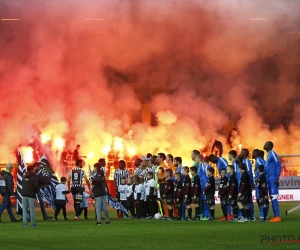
(158, 216)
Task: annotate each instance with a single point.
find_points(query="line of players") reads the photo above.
(169, 189)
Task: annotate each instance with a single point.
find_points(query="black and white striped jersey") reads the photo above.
(138, 171)
(151, 169)
(76, 175)
(119, 174)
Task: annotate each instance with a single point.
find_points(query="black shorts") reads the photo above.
(224, 200)
(210, 200)
(244, 199)
(161, 189)
(77, 190)
(187, 201)
(233, 201)
(178, 205)
(77, 193)
(152, 198)
(262, 201)
(169, 200)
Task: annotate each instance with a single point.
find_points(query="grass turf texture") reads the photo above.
(148, 234)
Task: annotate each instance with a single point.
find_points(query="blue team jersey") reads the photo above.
(221, 163)
(249, 169)
(272, 166)
(179, 169)
(200, 170)
(204, 177)
(259, 161)
(237, 171)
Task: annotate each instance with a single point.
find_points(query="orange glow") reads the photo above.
(59, 143)
(257, 19)
(240, 147)
(132, 152)
(118, 144)
(27, 154)
(93, 19)
(45, 138)
(106, 150)
(10, 19)
(57, 175)
(90, 155)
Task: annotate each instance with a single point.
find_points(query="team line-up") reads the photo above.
(162, 188)
(161, 184)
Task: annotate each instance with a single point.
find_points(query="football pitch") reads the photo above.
(151, 234)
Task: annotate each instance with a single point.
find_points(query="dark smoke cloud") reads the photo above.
(196, 65)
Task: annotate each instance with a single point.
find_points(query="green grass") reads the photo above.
(147, 234)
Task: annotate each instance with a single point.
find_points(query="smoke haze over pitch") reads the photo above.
(195, 65)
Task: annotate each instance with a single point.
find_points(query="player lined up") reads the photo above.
(169, 190)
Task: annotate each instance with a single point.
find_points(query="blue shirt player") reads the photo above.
(220, 162)
(272, 171)
(203, 180)
(232, 154)
(258, 156)
(244, 155)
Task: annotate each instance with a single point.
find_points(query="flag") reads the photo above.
(47, 192)
(90, 172)
(21, 170)
(114, 204)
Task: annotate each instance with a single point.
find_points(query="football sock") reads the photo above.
(212, 213)
(200, 209)
(248, 213)
(166, 211)
(77, 209)
(179, 212)
(205, 210)
(265, 213)
(224, 209)
(190, 212)
(229, 209)
(273, 208)
(171, 212)
(261, 212)
(175, 211)
(243, 212)
(251, 207)
(197, 209)
(235, 212)
(276, 207)
(239, 212)
(183, 211)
